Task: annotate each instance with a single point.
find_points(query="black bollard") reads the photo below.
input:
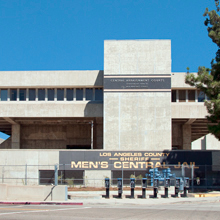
(156, 185)
(132, 183)
(166, 187)
(144, 186)
(119, 188)
(107, 187)
(166, 192)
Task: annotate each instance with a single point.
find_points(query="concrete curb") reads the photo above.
(41, 203)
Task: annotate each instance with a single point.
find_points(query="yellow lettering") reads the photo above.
(179, 165)
(149, 164)
(194, 165)
(94, 165)
(104, 164)
(115, 165)
(164, 165)
(158, 164)
(134, 165)
(125, 164)
(74, 165)
(85, 164)
(185, 164)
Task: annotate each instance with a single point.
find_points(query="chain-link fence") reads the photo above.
(201, 177)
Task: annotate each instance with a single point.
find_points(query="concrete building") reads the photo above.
(135, 104)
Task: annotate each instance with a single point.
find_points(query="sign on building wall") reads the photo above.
(137, 83)
(133, 160)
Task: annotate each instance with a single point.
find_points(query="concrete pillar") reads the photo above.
(15, 137)
(186, 137)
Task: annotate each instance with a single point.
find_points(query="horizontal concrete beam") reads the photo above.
(188, 110)
(55, 109)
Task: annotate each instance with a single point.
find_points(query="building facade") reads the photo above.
(135, 104)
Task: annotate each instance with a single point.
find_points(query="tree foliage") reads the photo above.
(208, 79)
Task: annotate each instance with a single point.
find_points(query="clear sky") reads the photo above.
(70, 34)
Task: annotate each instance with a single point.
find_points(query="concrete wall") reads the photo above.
(15, 161)
(54, 109)
(32, 193)
(50, 79)
(178, 80)
(95, 178)
(188, 110)
(137, 120)
(43, 136)
(208, 142)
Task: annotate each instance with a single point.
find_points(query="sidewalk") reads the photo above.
(96, 197)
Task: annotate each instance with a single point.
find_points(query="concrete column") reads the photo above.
(15, 137)
(187, 98)
(186, 137)
(177, 95)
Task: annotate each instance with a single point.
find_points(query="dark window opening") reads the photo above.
(191, 95)
(69, 94)
(50, 94)
(98, 94)
(173, 96)
(65, 177)
(182, 95)
(78, 147)
(4, 94)
(22, 94)
(13, 94)
(41, 94)
(32, 94)
(79, 94)
(89, 94)
(60, 94)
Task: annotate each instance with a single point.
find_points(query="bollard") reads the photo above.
(186, 187)
(107, 185)
(156, 185)
(144, 186)
(166, 186)
(177, 187)
(132, 184)
(120, 188)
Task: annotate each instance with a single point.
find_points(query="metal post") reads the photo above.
(55, 175)
(26, 174)
(122, 176)
(206, 181)
(92, 134)
(192, 177)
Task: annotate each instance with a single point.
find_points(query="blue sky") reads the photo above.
(70, 34)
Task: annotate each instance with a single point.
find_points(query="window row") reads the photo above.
(69, 94)
(188, 96)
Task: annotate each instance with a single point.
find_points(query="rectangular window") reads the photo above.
(191, 95)
(201, 96)
(4, 94)
(41, 94)
(182, 95)
(50, 94)
(22, 94)
(69, 94)
(99, 94)
(173, 96)
(79, 94)
(32, 94)
(60, 94)
(89, 94)
(13, 94)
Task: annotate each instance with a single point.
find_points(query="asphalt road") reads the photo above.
(181, 210)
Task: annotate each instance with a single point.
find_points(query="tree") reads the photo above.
(208, 79)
